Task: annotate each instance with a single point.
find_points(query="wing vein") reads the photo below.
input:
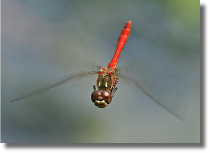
(146, 93)
(65, 80)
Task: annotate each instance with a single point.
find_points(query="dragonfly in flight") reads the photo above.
(107, 80)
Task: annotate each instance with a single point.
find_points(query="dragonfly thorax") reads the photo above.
(104, 82)
(106, 87)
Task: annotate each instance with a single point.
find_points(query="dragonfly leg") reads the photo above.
(94, 87)
(114, 91)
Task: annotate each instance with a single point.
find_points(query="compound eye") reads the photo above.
(106, 96)
(95, 95)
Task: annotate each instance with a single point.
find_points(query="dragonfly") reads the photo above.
(107, 79)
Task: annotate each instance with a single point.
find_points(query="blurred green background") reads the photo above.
(44, 41)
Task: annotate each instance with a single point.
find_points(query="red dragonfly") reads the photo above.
(107, 79)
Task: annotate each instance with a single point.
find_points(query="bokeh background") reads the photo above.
(44, 41)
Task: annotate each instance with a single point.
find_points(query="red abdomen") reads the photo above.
(122, 40)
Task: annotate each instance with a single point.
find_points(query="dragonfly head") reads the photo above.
(101, 98)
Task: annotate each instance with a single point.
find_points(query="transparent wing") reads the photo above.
(65, 80)
(147, 93)
(46, 58)
(164, 77)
